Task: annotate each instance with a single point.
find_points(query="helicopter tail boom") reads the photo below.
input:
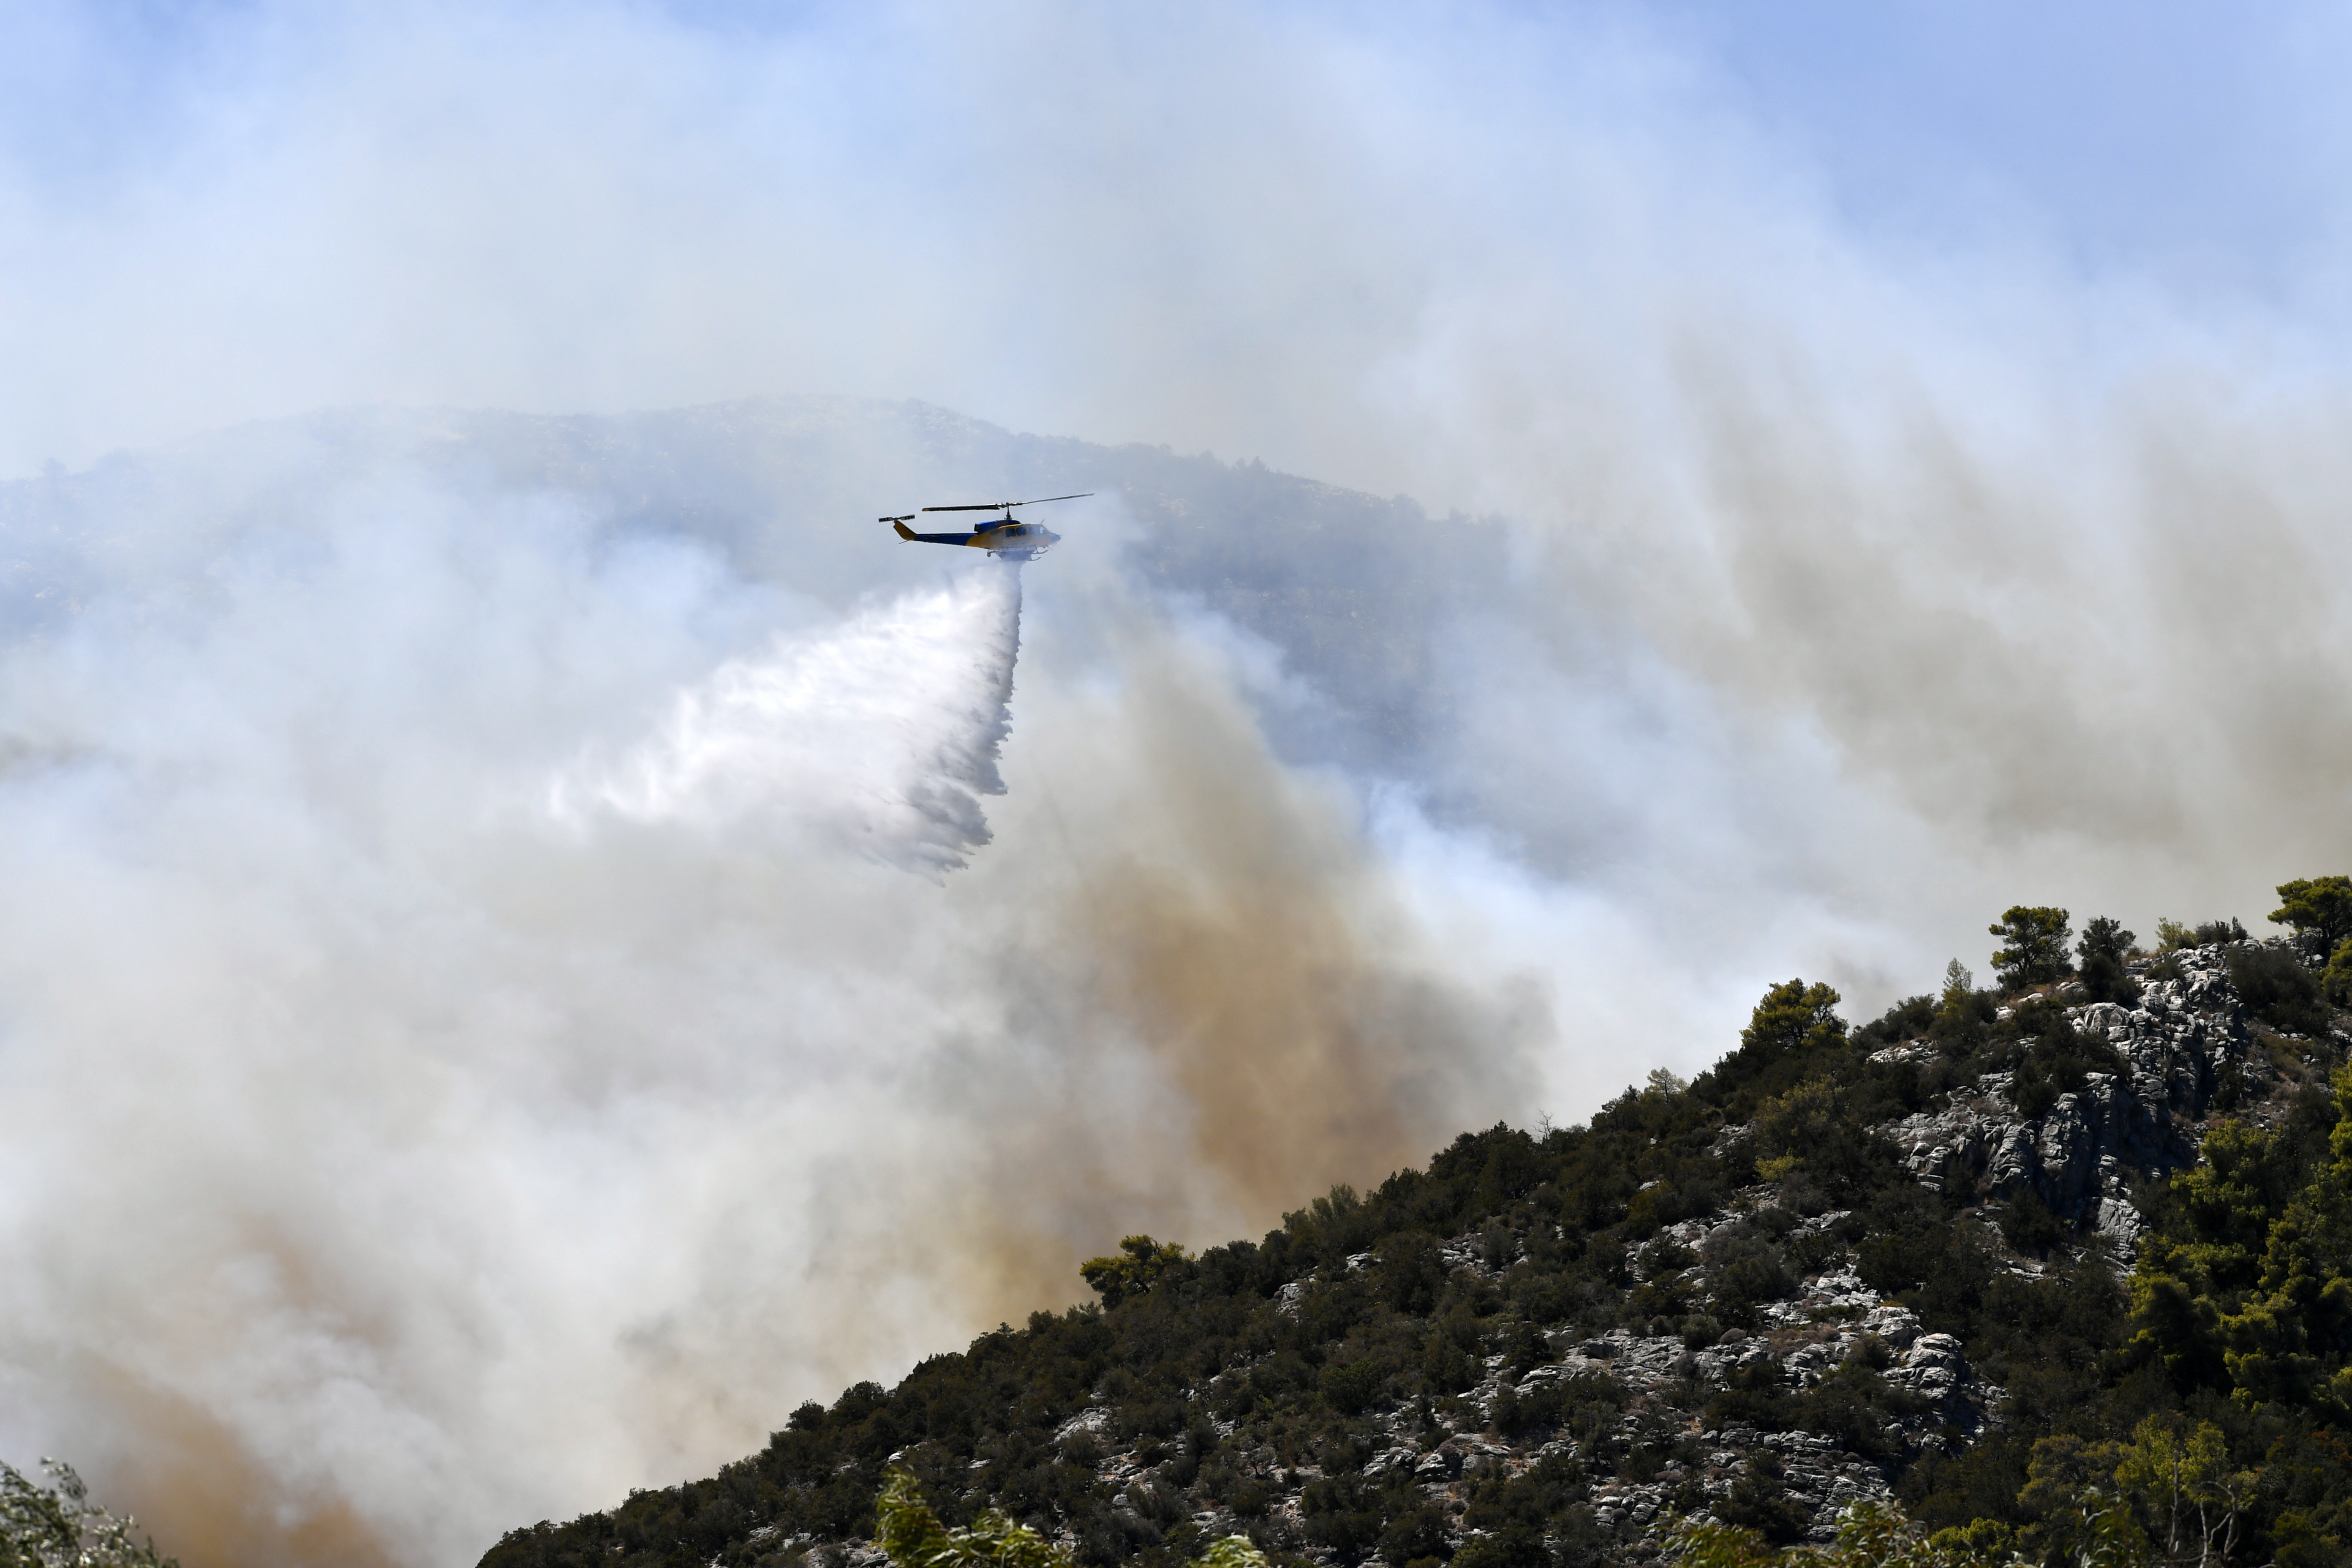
(906, 532)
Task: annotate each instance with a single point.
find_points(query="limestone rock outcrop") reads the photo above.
(2183, 1047)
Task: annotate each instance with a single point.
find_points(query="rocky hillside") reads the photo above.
(2181, 1048)
(1933, 1259)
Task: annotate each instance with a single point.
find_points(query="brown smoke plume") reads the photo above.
(1224, 918)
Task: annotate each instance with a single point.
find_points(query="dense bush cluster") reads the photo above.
(56, 1526)
(1228, 1374)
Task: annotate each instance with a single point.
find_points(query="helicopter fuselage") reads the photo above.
(1013, 541)
(1006, 537)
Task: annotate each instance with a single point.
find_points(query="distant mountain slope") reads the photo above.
(1353, 587)
(1844, 1264)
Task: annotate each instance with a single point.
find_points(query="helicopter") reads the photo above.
(1005, 538)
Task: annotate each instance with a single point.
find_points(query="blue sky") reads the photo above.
(185, 180)
(2199, 143)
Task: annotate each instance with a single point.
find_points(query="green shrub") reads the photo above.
(1742, 1286)
(2033, 945)
(1412, 1271)
(1814, 1130)
(2027, 1224)
(1446, 1367)
(1416, 1534)
(2319, 908)
(1350, 1387)
(1793, 1031)
(2171, 936)
(1760, 1501)
(2336, 982)
(1812, 1252)
(2031, 1090)
(1139, 1264)
(2105, 946)
(1963, 1020)
(2277, 989)
(1515, 1414)
(1513, 1546)
(1906, 1020)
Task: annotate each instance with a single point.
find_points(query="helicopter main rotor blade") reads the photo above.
(1009, 505)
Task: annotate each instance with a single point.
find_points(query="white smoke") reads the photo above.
(470, 1042)
(462, 1055)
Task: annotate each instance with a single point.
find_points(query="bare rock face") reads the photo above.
(2185, 1040)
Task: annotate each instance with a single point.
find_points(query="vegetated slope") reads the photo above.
(1845, 1263)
